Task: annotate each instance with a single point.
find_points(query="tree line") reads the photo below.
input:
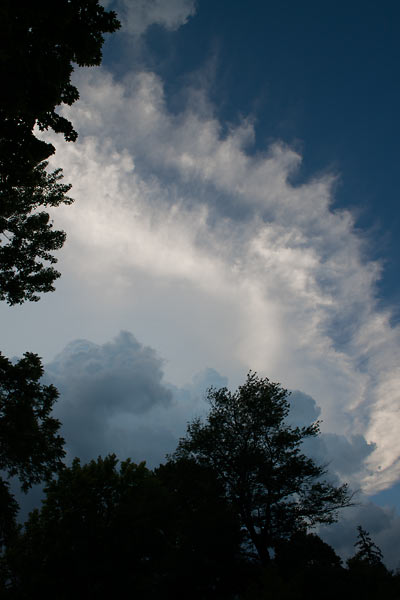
(230, 513)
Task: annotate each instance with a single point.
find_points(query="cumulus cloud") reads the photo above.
(101, 386)
(209, 251)
(114, 398)
(343, 456)
(137, 15)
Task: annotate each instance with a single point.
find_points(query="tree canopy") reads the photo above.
(27, 237)
(30, 447)
(107, 529)
(40, 42)
(275, 489)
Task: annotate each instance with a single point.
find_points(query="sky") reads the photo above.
(236, 207)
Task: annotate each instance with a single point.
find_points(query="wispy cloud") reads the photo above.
(137, 15)
(224, 262)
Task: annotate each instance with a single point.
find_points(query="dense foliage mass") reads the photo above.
(27, 237)
(122, 530)
(40, 42)
(30, 447)
(271, 484)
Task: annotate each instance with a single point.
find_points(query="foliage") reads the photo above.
(207, 537)
(368, 552)
(98, 527)
(114, 530)
(39, 42)
(8, 514)
(111, 530)
(366, 572)
(274, 488)
(27, 237)
(30, 446)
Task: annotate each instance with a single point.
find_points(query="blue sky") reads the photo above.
(236, 208)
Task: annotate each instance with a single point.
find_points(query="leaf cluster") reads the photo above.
(27, 237)
(29, 445)
(40, 42)
(120, 529)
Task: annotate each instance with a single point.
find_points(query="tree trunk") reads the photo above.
(258, 542)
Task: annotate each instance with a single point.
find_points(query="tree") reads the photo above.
(27, 237)
(39, 42)
(367, 575)
(368, 553)
(30, 447)
(98, 534)
(205, 556)
(120, 530)
(29, 444)
(274, 488)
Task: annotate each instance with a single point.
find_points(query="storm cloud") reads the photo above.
(100, 387)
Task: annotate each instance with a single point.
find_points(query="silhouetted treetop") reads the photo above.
(275, 489)
(368, 552)
(30, 446)
(27, 237)
(39, 42)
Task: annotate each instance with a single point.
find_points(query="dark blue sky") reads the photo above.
(323, 77)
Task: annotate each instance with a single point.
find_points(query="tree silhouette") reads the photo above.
(30, 447)
(368, 552)
(107, 529)
(274, 488)
(39, 44)
(367, 574)
(27, 237)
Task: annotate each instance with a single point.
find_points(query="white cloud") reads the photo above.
(137, 15)
(209, 254)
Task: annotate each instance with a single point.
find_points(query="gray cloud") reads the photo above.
(383, 524)
(101, 385)
(303, 409)
(343, 455)
(113, 398)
